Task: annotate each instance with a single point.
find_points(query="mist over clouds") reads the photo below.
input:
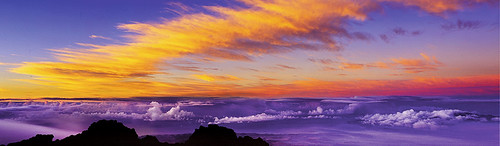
(157, 116)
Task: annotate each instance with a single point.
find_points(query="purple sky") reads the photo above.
(248, 48)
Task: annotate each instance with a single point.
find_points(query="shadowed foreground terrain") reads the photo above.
(113, 133)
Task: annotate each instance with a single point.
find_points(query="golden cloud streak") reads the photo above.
(262, 27)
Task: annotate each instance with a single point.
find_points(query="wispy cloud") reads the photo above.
(398, 31)
(418, 65)
(178, 8)
(409, 65)
(285, 66)
(223, 33)
(9, 64)
(327, 68)
(262, 78)
(346, 65)
(99, 37)
(230, 34)
(252, 118)
(461, 25)
(440, 7)
(471, 85)
(191, 68)
(322, 61)
(211, 78)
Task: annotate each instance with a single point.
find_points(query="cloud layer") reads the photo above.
(424, 119)
(154, 113)
(252, 118)
(269, 115)
(301, 116)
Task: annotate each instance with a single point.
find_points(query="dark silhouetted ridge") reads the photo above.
(113, 133)
(214, 135)
(103, 132)
(38, 140)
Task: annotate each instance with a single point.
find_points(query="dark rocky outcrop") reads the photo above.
(113, 133)
(105, 133)
(214, 135)
(38, 140)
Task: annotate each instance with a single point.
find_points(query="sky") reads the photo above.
(248, 48)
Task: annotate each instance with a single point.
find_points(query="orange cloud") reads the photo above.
(232, 34)
(211, 78)
(322, 61)
(285, 66)
(262, 78)
(241, 33)
(428, 63)
(441, 6)
(351, 66)
(418, 65)
(470, 85)
(326, 68)
(380, 65)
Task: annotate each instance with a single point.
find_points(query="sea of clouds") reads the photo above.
(425, 119)
(181, 115)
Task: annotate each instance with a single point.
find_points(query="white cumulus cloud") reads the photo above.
(268, 115)
(154, 113)
(423, 119)
(252, 118)
(175, 113)
(349, 109)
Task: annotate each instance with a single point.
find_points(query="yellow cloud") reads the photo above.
(211, 78)
(262, 27)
